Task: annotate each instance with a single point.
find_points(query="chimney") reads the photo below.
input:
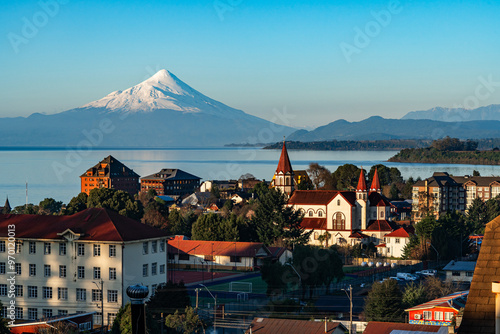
(495, 288)
(137, 294)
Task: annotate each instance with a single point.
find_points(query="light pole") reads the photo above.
(102, 302)
(300, 278)
(215, 308)
(429, 243)
(349, 295)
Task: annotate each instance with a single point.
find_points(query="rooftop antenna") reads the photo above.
(26, 193)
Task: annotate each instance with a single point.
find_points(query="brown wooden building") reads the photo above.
(172, 182)
(110, 173)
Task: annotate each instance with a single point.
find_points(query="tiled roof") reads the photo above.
(361, 182)
(312, 197)
(171, 175)
(278, 326)
(94, 224)
(380, 225)
(114, 168)
(217, 248)
(402, 232)
(440, 179)
(381, 245)
(377, 199)
(276, 251)
(284, 164)
(455, 300)
(479, 314)
(350, 196)
(313, 223)
(375, 327)
(460, 266)
(358, 235)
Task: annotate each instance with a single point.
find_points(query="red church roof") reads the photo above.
(216, 248)
(313, 223)
(380, 225)
(284, 164)
(375, 182)
(361, 182)
(313, 197)
(92, 224)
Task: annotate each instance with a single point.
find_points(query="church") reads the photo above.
(338, 217)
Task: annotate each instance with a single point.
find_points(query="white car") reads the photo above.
(427, 272)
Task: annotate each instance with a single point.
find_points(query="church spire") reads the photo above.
(375, 182)
(284, 165)
(284, 177)
(6, 208)
(361, 182)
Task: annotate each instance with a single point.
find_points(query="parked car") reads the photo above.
(407, 276)
(427, 272)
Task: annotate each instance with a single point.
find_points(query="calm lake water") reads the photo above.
(55, 172)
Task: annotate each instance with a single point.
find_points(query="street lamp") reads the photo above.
(349, 295)
(215, 308)
(102, 302)
(300, 278)
(429, 243)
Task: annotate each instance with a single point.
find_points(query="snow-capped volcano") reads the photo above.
(162, 91)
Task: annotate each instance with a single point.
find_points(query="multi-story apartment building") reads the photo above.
(78, 263)
(172, 182)
(110, 173)
(443, 192)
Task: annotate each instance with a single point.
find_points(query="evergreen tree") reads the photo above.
(116, 200)
(187, 323)
(76, 204)
(414, 294)
(477, 216)
(168, 298)
(384, 302)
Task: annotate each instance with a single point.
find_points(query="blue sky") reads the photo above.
(253, 55)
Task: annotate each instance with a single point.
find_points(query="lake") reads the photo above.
(55, 172)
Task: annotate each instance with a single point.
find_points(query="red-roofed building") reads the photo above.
(290, 326)
(284, 177)
(59, 257)
(183, 253)
(396, 241)
(376, 327)
(438, 312)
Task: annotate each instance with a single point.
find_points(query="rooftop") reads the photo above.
(460, 266)
(455, 300)
(277, 326)
(171, 175)
(110, 167)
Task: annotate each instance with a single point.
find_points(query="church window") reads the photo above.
(338, 221)
(320, 213)
(310, 213)
(338, 202)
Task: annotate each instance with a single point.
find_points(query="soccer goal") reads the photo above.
(240, 287)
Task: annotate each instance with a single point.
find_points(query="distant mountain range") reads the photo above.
(162, 111)
(487, 113)
(378, 128)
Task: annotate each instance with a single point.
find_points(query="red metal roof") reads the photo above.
(402, 232)
(455, 300)
(358, 235)
(381, 245)
(375, 182)
(216, 248)
(290, 326)
(313, 197)
(313, 223)
(380, 225)
(284, 164)
(361, 182)
(375, 327)
(95, 224)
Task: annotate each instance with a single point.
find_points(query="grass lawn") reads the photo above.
(258, 285)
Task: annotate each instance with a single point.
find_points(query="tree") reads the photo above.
(187, 323)
(76, 204)
(476, 173)
(213, 227)
(386, 175)
(394, 192)
(277, 276)
(321, 177)
(347, 176)
(156, 214)
(260, 190)
(276, 223)
(123, 321)
(116, 200)
(168, 298)
(435, 288)
(384, 302)
(477, 216)
(414, 294)
(49, 206)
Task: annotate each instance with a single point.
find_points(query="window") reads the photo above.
(310, 213)
(62, 248)
(3, 289)
(338, 221)
(46, 248)
(154, 246)
(172, 256)
(46, 270)
(144, 270)
(469, 273)
(18, 247)
(62, 312)
(19, 313)
(32, 314)
(183, 257)
(112, 250)
(320, 213)
(32, 269)
(81, 295)
(145, 246)
(97, 272)
(153, 289)
(235, 259)
(86, 326)
(18, 269)
(111, 317)
(81, 272)
(2, 246)
(81, 249)
(62, 271)
(32, 291)
(97, 250)
(97, 318)
(32, 247)
(381, 214)
(207, 258)
(448, 316)
(438, 315)
(19, 290)
(316, 235)
(112, 274)
(427, 315)
(455, 273)
(112, 296)
(47, 292)
(154, 266)
(96, 295)
(397, 240)
(2, 268)
(338, 202)
(3, 313)
(62, 293)
(162, 268)
(162, 246)
(47, 312)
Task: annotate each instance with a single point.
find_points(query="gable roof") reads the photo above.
(402, 232)
(93, 224)
(479, 314)
(358, 235)
(455, 300)
(110, 167)
(284, 165)
(377, 199)
(312, 197)
(217, 248)
(460, 266)
(380, 225)
(275, 326)
(376, 327)
(313, 223)
(169, 174)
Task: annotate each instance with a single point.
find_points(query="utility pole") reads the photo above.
(350, 299)
(196, 297)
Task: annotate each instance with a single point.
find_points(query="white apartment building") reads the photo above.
(61, 262)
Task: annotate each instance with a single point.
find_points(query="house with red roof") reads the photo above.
(216, 255)
(395, 241)
(377, 327)
(438, 312)
(60, 262)
(292, 326)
